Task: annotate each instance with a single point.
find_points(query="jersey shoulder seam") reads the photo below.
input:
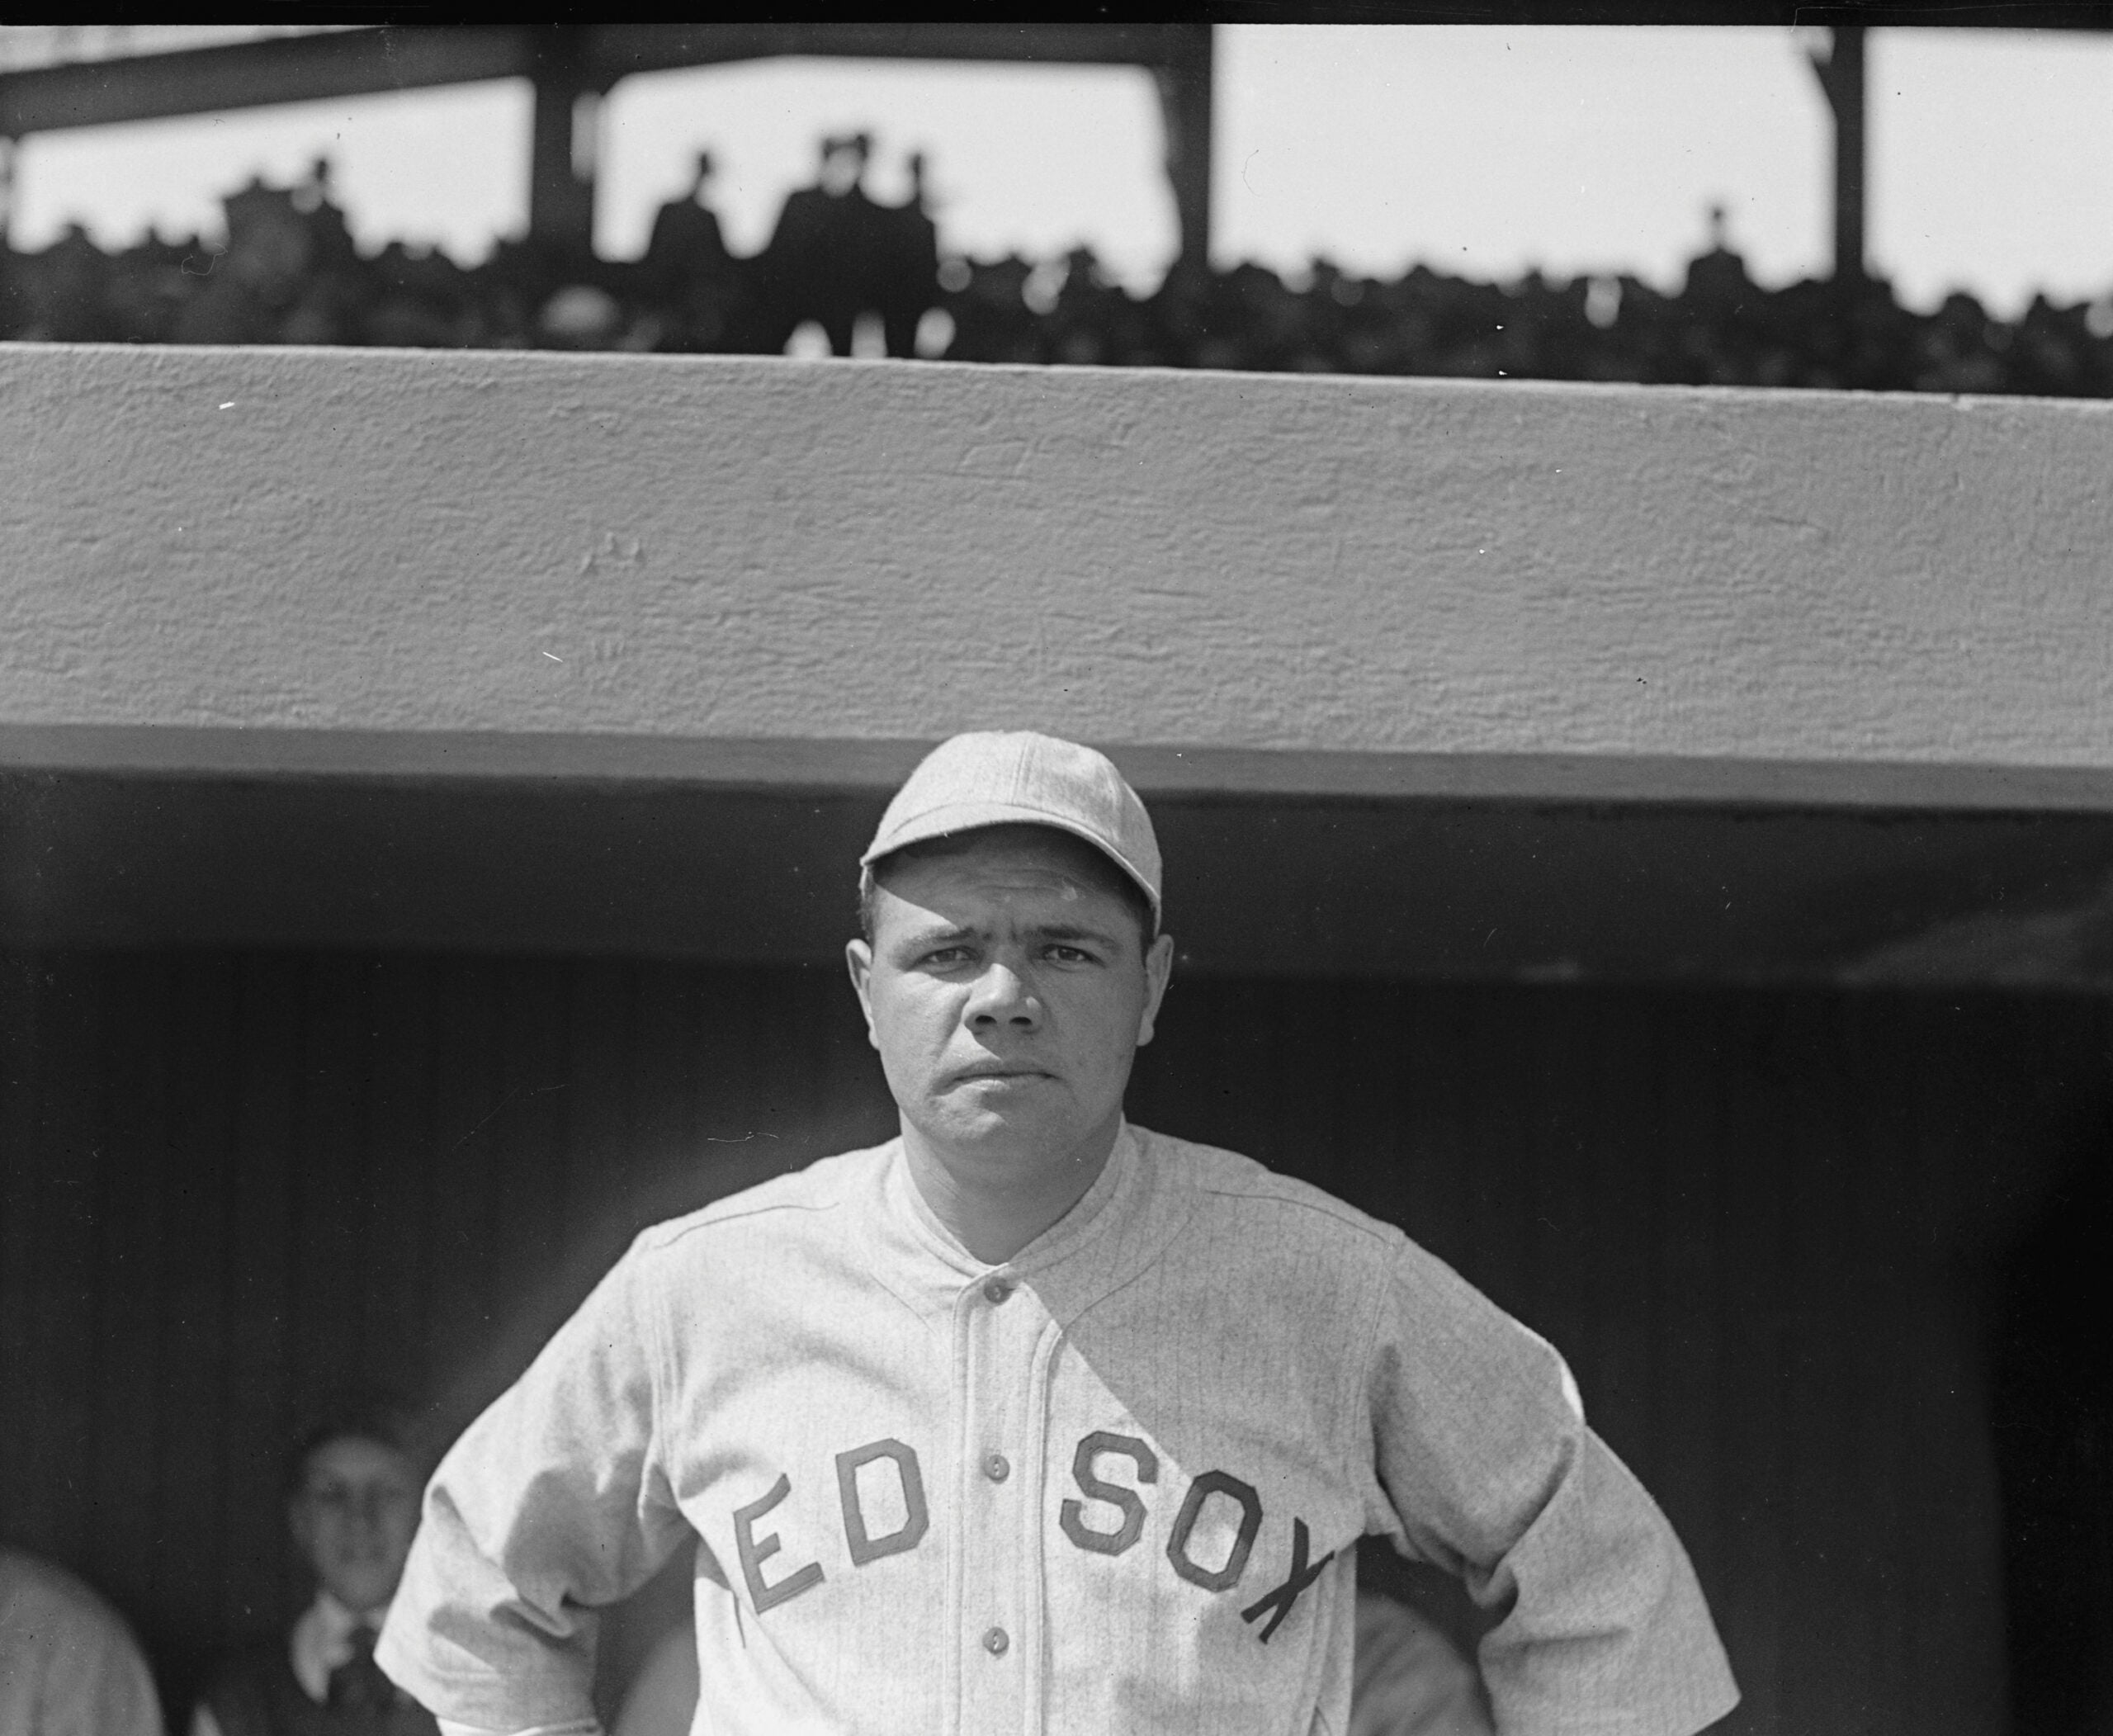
(1251, 1179)
(777, 1195)
(1342, 1213)
(666, 1234)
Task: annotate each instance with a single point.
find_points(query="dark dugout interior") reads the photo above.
(303, 1084)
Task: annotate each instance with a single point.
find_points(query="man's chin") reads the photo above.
(360, 1592)
(997, 1125)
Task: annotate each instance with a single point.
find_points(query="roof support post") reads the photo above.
(1183, 76)
(561, 162)
(1840, 72)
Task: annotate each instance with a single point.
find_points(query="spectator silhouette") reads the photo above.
(328, 236)
(1718, 277)
(420, 299)
(326, 306)
(815, 266)
(902, 269)
(59, 293)
(992, 320)
(686, 241)
(687, 271)
(252, 285)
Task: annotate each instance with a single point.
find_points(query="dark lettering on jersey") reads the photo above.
(1210, 1483)
(865, 1548)
(756, 1550)
(1125, 1504)
(1286, 1595)
(1072, 1516)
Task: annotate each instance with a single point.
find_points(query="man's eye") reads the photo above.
(1070, 955)
(946, 955)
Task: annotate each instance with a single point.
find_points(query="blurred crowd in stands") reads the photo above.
(864, 277)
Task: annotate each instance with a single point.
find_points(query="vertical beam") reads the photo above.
(9, 150)
(1841, 77)
(1184, 78)
(561, 195)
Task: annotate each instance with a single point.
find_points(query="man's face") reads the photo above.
(354, 1516)
(842, 169)
(1007, 989)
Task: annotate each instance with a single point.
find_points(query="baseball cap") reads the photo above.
(1017, 778)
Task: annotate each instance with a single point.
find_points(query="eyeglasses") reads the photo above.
(372, 1500)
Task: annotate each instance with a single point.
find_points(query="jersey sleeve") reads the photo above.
(1480, 1442)
(554, 1502)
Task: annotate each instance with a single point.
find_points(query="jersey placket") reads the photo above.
(998, 1324)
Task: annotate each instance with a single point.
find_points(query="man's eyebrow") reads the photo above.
(936, 934)
(1073, 931)
(947, 933)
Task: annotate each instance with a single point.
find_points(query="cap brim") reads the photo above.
(969, 816)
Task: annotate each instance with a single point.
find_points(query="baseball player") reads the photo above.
(1031, 1419)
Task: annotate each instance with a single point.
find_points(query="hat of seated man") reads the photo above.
(1017, 778)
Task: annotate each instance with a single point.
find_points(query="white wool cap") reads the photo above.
(1017, 778)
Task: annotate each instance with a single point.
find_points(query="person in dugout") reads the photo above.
(352, 1494)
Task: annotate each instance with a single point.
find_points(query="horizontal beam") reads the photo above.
(257, 74)
(617, 50)
(826, 766)
(372, 61)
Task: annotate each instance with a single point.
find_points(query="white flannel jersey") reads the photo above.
(1112, 1484)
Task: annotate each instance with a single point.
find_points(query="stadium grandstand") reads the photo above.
(859, 274)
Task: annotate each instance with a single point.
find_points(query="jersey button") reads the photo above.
(995, 1291)
(995, 1642)
(996, 1467)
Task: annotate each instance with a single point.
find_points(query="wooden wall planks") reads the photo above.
(1764, 1228)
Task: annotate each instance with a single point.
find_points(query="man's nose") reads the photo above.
(1004, 996)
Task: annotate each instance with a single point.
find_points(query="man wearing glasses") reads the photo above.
(352, 1507)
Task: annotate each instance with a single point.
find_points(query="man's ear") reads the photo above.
(858, 959)
(1159, 969)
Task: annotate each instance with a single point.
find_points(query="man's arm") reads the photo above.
(552, 1504)
(1480, 1439)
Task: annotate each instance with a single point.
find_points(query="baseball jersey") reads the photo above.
(1114, 1483)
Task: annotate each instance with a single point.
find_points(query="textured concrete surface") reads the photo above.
(1463, 573)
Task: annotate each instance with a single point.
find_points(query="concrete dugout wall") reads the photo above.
(269, 560)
